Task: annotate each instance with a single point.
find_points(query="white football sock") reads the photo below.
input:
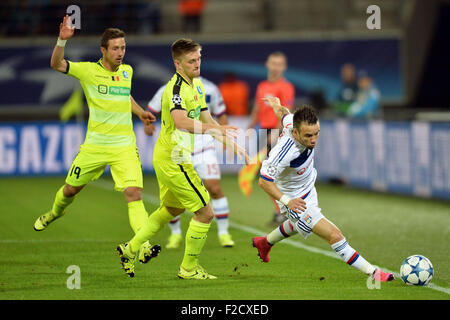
(174, 225)
(221, 211)
(352, 257)
(285, 230)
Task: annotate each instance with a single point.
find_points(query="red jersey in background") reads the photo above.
(282, 89)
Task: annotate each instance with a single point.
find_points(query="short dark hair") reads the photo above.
(277, 54)
(111, 33)
(306, 113)
(183, 46)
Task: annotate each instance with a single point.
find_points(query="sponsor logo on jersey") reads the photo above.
(119, 91)
(103, 89)
(125, 74)
(199, 89)
(195, 113)
(302, 170)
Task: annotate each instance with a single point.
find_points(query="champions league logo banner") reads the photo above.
(401, 157)
(49, 148)
(313, 65)
(409, 157)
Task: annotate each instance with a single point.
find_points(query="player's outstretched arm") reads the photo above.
(279, 110)
(205, 117)
(297, 204)
(66, 31)
(234, 147)
(223, 119)
(146, 116)
(227, 138)
(218, 129)
(183, 122)
(254, 116)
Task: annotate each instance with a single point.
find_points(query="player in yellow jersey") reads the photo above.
(183, 105)
(110, 139)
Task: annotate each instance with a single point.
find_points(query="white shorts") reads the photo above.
(304, 222)
(206, 164)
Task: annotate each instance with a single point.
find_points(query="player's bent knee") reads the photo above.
(216, 193)
(133, 194)
(207, 217)
(70, 191)
(335, 236)
(174, 211)
(214, 188)
(205, 214)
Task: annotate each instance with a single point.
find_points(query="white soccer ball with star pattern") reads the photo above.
(416, 270)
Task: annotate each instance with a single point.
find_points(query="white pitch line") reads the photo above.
(330, 254)
(287, 241)
(154, 200)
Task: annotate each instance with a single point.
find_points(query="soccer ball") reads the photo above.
(416, 270)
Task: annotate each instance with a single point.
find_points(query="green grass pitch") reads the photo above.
(384, 228)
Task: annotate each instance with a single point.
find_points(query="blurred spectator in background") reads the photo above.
(191, 12)
(348, 90)
(275, 86)
(21, 19)
(93, 19)
(262, 114)
(367, 104)
(120, 14)
(318, 100)
(148, 16)
(268, 13)
(235, 93)
(38, 17)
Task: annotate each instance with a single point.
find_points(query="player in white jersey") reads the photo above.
(288, 175)
(204, 160)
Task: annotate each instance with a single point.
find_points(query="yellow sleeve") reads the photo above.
(174, 97)
(203, 104)
(78, 70)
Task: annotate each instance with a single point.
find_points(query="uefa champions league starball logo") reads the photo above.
(272, 170)
(176, 99)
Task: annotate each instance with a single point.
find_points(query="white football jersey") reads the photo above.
(290, 165)
(215, 104)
